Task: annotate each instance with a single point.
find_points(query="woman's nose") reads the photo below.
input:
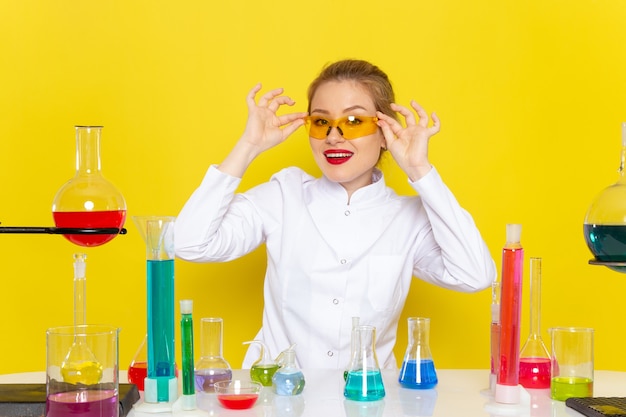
(334, 135)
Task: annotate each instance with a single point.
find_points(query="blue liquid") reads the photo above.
(369, 388)
(423, 378)
(291, 383)
(161, 325)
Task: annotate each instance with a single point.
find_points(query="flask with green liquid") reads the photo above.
(264, 368)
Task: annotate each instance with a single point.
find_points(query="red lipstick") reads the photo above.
(337, 156)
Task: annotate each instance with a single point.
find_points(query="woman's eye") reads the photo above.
(320, 122)
(353, 120)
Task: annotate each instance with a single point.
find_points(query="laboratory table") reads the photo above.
(460, 393)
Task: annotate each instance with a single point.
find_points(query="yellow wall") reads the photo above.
(531, 95)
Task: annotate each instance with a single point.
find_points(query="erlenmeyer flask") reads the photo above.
(212, 367)
(418, 368)
(88, 200)
(534, 361)
(138, 368)
(605, 222)
(364, 381)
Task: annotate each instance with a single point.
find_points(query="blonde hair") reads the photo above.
(372, 78)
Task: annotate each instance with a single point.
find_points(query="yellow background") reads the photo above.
(531, 96)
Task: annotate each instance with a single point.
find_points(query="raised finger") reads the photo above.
(421, 113)
(278, 101)
(388, 123)
(408, 115)
(250, 98)
(269, 96)
(436, 123)
(291, 117)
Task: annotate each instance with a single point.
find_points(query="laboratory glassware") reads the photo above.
(86, 398)
(186, 341)
(572, 362)
(605, 222)
(89, 200)
(264, 368)
(288, 379)
(80, 365)
(160, 385)
(138, 368)
(495, 336)
(507, 389)
(418, 367)
(355, 323)
(212, 367)
(364, 381)
(534, 361)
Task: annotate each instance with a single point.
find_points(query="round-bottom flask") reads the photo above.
(418, 368)
(212, 367)
(89, 200)
(605, 222)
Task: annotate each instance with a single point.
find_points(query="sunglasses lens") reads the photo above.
(350, 127)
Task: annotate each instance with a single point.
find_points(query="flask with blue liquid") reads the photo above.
(418, 368)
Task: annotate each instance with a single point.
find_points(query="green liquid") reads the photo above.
(562, 387)
(263, 373)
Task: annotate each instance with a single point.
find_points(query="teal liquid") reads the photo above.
(562, 387)
(366, 386)
(161, 349)
(607, 243)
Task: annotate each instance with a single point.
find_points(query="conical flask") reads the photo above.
(138, 368)
(418, 368)
(158, 233)
(534, 361)
(605, 222)
(212, 367)
(89, 200)
(364, 381)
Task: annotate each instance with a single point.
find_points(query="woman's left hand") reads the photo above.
(409, 145)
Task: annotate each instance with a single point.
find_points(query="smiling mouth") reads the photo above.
(337, 158)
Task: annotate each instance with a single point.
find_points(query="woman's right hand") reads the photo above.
(264, 129)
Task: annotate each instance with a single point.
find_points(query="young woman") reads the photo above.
(345, 244)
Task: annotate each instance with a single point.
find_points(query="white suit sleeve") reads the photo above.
(215, 224)
(455, 255)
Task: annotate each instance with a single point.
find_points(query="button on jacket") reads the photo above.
(329, 259)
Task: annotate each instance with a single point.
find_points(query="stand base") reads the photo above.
(521, 408)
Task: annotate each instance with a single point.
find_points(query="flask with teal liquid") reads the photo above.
(364, 381)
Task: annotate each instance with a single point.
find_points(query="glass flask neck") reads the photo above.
(364, 357)
(88, 150)
(535, 297)
(211, 337)
(419, 331)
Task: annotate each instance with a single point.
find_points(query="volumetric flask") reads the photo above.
(212, 367)
(89, 200)
(418, 367)
(364, 381)
(534, 361)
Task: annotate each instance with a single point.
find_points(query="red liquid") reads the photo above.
(88, 220)
(85, 403)
(238, 402)
(534, 372)
(510, 311)
(137, 372)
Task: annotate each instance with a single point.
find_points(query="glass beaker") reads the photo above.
(89, 200)
(82, 395)
(418, 368)
(212, 367)
(605, 222)
(364, 381)
(160, 384)
(534, 361)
